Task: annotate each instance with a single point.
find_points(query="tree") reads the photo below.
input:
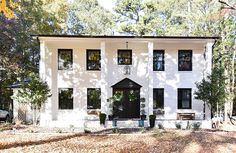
(212, 90)
(35, 93)
(87, 17)
(7, 10)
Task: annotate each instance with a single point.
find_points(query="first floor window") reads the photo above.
(185, 60)
(65, 59)
(158, 60)
(158, 98)
(65, 98)
(93, 60)
(124, 57)
(184, 98)
(93, 98)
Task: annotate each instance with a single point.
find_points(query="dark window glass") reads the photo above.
(93, 60)
(184, 98)
(93, 98)
(65, 98)
(124, 57)
(158, 98)
(158, 60)
(185, 60)
(65, 59)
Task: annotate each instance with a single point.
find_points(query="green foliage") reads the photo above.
(152, 117)
(102, 117)
(87, 17)
(178, 125)
(212, 89)
(35, 92)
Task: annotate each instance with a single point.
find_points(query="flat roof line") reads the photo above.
(148, 37)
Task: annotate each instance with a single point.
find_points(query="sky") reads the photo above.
(108, 4)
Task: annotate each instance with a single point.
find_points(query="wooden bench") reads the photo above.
(185, 116)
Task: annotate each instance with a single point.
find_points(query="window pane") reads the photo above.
(158, 60)
(185, 60)
(158, 98)
(93, 60)
(65, 59)
(93, 98)
(66, 98)
(124, 57)
(184, 99)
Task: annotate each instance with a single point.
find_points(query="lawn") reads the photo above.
(126, 141)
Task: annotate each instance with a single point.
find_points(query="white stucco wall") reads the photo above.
(141, 72)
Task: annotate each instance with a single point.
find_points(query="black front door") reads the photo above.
(128, 106)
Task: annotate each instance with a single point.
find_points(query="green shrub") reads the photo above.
(152, 117)
(160, 126)
(178, 125)
(196, 125)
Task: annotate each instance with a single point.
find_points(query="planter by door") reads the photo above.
(152, 119)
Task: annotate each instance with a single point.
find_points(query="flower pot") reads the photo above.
(102, 118)
(141, 123)
(114, 123)
(152, 119)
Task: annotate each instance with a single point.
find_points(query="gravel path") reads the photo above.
(137, 141)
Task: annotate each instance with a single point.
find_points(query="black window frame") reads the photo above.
(191, 60)
(88, 108)
(71, 105)
(71, 59)
(118, 56)
(162, 98)
(87, 59)
(162, 62)
(180, 98)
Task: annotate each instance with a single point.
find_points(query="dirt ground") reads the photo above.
(132, 140)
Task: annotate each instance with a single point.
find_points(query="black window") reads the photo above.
(124, 57)
(158, 98)
(185, 60)
(158, 60)
(65, 98)
(184, 98)
(65, 59)
(93, 98)
(93, 60)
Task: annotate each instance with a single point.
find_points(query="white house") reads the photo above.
(83, 72)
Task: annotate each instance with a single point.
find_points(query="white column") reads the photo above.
(45, 73)
(104, 79)
(150, 77)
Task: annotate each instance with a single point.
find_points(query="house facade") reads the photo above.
(148, 75)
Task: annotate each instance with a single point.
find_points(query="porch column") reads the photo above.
(104, 79)
(45, 75)
(150, 78)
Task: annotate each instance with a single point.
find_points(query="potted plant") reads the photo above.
(102, 117)
(152, 119)
(142, 111)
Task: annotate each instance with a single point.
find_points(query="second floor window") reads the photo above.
(158, 60)
(185, 60)
(65, 59)
(125, 57)
(93, 60)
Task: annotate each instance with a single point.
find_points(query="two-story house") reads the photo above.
(84, 72)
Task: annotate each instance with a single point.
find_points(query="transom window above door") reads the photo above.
(124, 57)
(93, 59)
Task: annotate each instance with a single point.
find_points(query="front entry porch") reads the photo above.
(127, 99)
